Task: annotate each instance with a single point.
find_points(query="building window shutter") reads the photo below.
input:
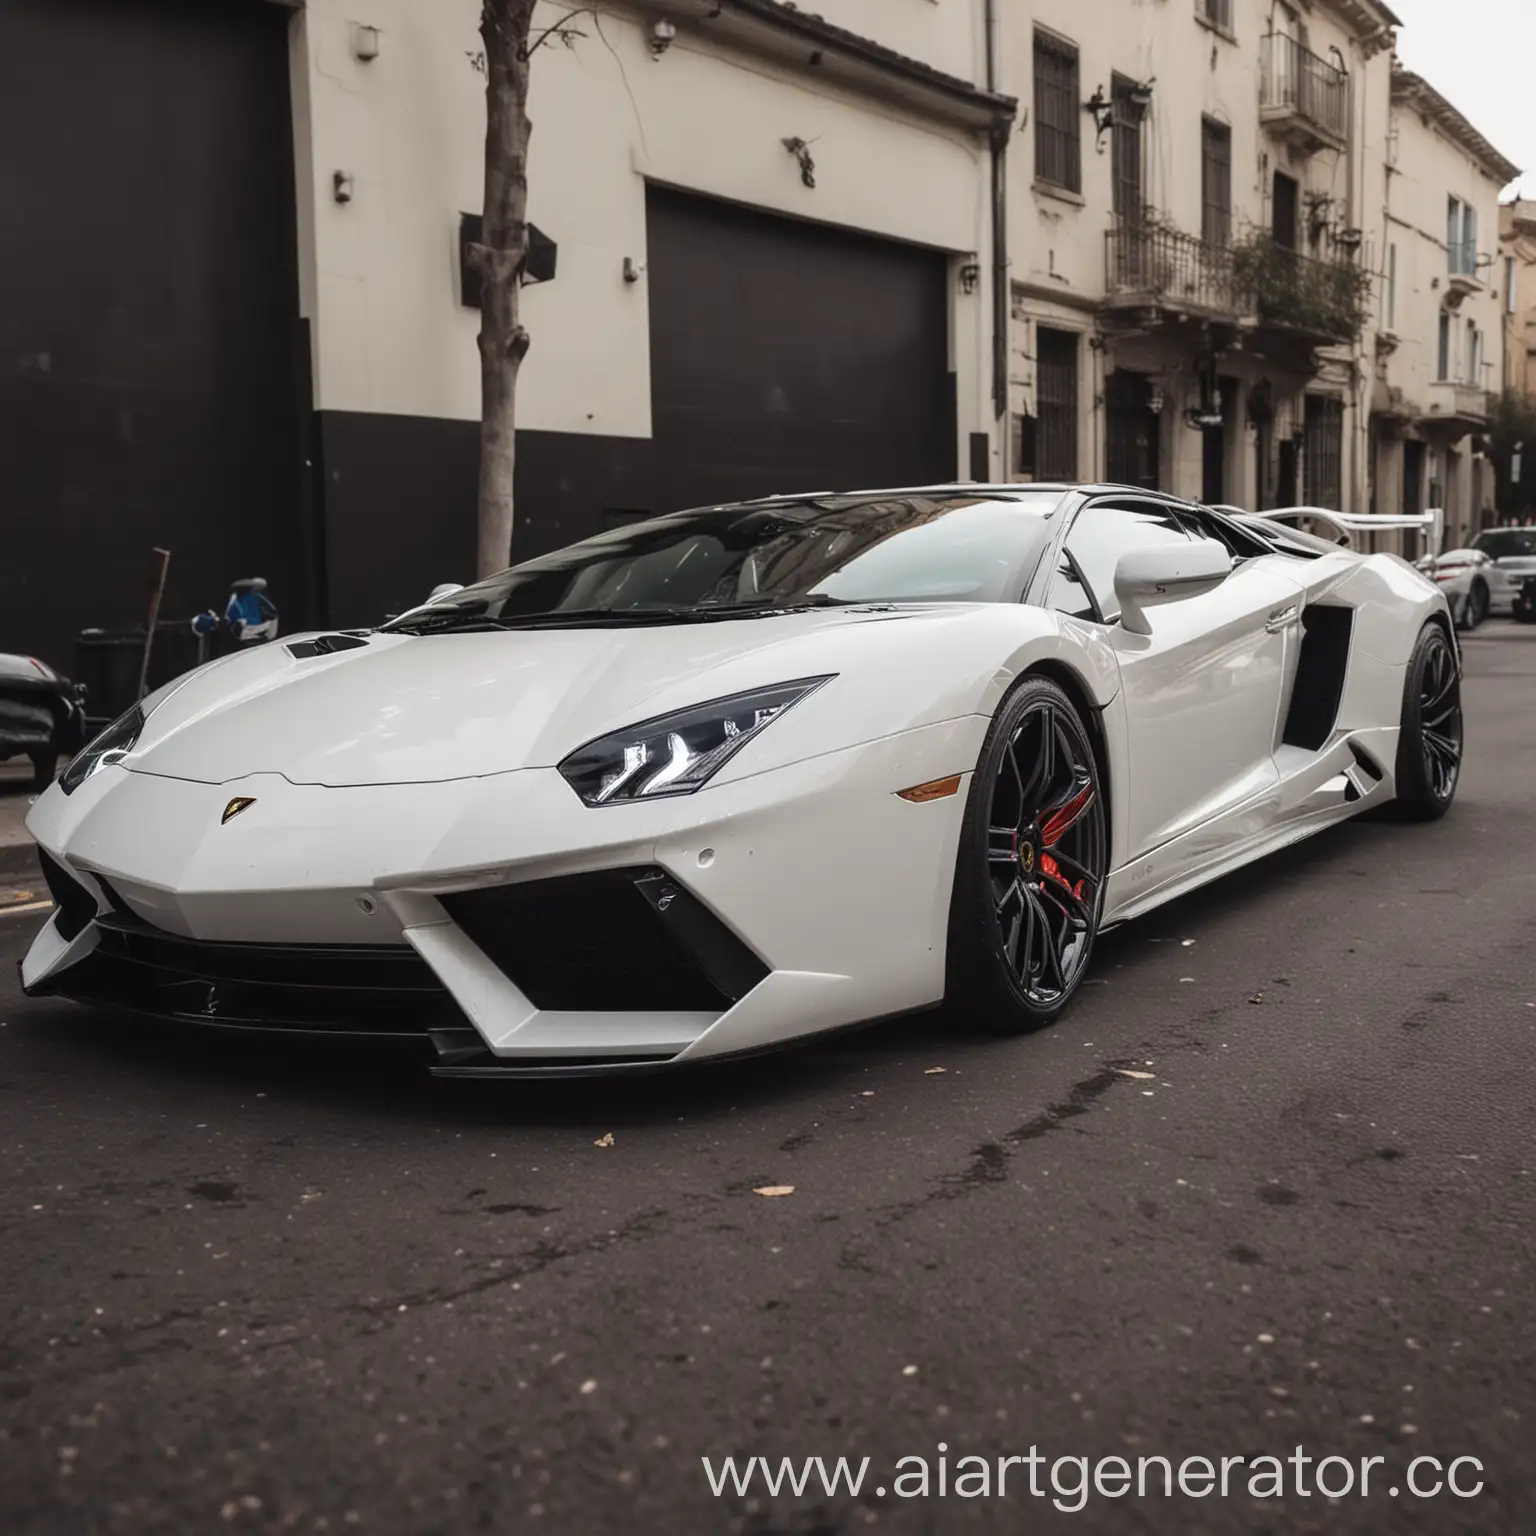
(1058, 117)
(1216, 183)
(1056, 404)
(1324, 446)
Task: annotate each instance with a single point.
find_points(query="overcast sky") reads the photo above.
(1482, 55)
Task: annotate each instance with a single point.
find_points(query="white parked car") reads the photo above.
(1512, 556)
(736, 776)
(1466, 576)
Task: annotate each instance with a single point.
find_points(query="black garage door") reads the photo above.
(147, 310)
(789, 356)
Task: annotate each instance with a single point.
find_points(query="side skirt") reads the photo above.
(1334, 787)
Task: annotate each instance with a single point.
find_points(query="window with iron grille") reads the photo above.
(1215, 182)
(1058, 114)
(1055, 404)
(1217, 12)
(1324, 448)
(1132, 431)
(1126, 162)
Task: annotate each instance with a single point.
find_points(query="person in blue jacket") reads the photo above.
(251, 614)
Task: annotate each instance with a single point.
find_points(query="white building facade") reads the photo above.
(1440, 348)
(1190, 232)
(773, 264)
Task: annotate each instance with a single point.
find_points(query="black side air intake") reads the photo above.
(622, 940)
(76, 904)
(1320, 674)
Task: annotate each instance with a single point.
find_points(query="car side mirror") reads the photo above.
(1167, 573)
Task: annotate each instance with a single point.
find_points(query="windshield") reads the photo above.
(760, 558)
(1502, 543)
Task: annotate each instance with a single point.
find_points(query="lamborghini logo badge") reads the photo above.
(235, 806)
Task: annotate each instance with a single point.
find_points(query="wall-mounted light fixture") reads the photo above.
(1102, 110)
(365, 43)
(663, 35)
(341, 186)
(970, 275)
(802, 153)
(633, 270)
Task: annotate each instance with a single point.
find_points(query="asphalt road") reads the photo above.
(251, 1290)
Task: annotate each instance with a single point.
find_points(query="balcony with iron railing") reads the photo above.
(1153, 265)
(1304, 98)
(1322, 302)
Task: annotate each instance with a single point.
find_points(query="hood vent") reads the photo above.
(325, 645)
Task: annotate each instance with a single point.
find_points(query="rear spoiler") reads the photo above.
(1349, 523)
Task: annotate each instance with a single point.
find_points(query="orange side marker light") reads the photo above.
(934, 789)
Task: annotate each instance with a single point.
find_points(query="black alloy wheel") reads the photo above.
(1431, 742)
(1034, 854)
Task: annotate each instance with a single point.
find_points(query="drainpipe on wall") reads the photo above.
(1000, 305)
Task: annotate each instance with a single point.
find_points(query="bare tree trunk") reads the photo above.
(504, 26)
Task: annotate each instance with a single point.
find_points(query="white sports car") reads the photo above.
(740, 775)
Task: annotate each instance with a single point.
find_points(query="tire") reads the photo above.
(1431, 742)
(1031, 868)
(1477, 604)
(1524, 608)
(45, 765)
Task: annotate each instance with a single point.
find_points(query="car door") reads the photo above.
(1202, 693)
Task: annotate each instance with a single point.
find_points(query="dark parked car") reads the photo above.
(42, 715)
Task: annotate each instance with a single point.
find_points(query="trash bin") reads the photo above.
(107, 661)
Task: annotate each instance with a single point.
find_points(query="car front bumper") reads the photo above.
(503, 921)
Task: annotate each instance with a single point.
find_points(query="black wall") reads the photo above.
(150, 357)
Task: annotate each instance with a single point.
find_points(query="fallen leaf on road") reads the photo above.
(1141, 1077)
(774, 1191)
(605, 1140)
(932, 1071)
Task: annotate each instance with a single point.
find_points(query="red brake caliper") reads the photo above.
(1056, 826)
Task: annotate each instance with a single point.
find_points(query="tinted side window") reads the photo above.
(1068, 595)
(1239, 543)
(1102, 534)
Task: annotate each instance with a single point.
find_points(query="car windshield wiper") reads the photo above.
(441, 623)
(622, 618)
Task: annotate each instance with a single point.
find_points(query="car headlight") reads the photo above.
(677, 754)
(102, 751)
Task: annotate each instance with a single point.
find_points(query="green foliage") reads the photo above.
(1327, 299)
(1511, 423)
